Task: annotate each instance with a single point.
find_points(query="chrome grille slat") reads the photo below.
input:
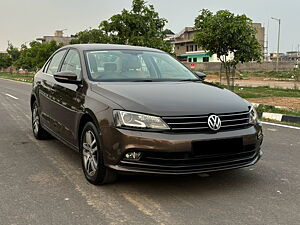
(195, 123)
(179, 123)
(184, 117)
(236, 125)
(234, 114)
(235, 120)
(191, 128)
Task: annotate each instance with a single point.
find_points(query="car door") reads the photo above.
(45, 93)
(69, 99)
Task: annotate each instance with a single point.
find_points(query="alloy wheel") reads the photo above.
(90, 151)
(35, 119)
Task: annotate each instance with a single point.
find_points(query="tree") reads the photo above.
(13, 53)
(90, 36)
(168, 31)
(34, 57)
(140, 26)
(5, 61)
(225, 34)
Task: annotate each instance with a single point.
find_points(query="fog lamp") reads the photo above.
(133, 155)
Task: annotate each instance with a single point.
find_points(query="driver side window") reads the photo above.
(72, 63)
(55, 62)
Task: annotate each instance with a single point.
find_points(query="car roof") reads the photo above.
(93, 47)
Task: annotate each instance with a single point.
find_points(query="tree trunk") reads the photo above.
(227, 69)
(233, 77)
(221, 69)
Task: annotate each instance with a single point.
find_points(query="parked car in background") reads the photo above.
(138, 110)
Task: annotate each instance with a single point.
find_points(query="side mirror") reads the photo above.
(67, 77)
(201, 75)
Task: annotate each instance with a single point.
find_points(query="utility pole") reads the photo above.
(266, 47)
(278, 46)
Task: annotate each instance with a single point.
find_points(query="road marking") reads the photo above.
(11, 96)
(281, 125)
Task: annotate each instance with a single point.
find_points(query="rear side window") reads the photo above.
(72, 63)
(55, 62)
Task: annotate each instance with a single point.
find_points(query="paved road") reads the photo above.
(42, 183)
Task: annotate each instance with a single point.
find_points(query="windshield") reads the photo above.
(127, 65)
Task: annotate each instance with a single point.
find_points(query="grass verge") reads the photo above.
(262, 92)
(293, 74)
(278, 122)
(272, 109)
(28, 78)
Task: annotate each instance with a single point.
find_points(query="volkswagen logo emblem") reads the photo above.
(214, 122)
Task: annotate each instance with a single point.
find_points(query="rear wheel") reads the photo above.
(92, 157)
(38, 132)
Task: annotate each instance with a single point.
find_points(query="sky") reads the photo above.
(24, 21)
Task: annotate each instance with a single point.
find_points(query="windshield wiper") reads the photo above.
(143, 80)
(190, 80)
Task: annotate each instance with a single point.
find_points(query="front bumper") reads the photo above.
(169, 153)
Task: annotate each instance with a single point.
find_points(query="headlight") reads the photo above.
(253, 115)
(136, 120)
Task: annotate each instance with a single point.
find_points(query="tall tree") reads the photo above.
(140, 26)
(34, 57)
(13, 52)
(5, 61)
(90, 36)
(231, 37)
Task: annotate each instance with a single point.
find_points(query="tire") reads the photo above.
(92, 157)
(38, 132)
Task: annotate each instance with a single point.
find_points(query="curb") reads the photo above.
(277, 116)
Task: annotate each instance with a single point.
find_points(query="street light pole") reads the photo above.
(278, 46)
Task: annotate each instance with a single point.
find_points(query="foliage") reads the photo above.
(225, 34)
(5, 61)
(273, 109)
(13, 52)
(34, 58)
(90, 36)
(141, 26)
(261, 92)
(168, 31)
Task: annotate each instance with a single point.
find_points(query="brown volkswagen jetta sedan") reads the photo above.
(135, 109)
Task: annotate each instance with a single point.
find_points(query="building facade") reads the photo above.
(58, 37)
(187, 51)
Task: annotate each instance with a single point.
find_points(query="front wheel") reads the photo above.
(92, 157)
(38, 132)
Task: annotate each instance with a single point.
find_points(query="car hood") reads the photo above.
(171, 98)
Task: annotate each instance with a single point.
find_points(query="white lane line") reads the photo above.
(281, 125)
(11, 96)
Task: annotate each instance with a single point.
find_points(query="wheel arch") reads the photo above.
(88, 116)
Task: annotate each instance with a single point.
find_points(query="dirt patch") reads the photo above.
(278, 101)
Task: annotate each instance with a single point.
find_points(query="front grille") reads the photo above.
(230, 121)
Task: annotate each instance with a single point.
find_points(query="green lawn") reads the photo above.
(261, 92)
(293, 74)
(28, 78)
(272, 109)
(284, 123)
(281, 75)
